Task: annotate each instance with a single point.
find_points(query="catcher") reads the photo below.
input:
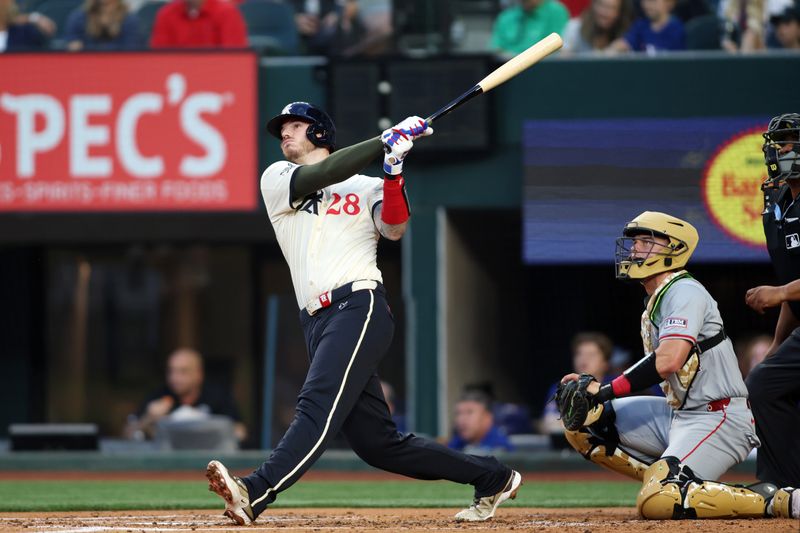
(704, 426)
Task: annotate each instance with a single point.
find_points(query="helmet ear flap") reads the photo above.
(320, 135)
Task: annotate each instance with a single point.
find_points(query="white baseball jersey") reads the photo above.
(329, 237)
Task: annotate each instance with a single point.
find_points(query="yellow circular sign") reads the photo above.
(732, 187)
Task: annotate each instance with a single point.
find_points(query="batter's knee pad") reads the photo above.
(598, 442)
(672, 491)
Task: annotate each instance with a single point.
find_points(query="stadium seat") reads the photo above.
(147, 17)
(270, 26)
(58, 11)
(704, 33)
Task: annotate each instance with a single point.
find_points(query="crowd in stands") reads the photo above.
(349, 28)
(275, 27)
(481, 422)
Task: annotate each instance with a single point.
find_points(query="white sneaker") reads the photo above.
(484, 508)
(785, 503)
(233, 491)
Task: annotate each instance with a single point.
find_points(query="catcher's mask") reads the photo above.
(651, 256)
(321, 131)
(782, 150)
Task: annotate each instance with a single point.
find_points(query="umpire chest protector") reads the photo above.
(781, 220)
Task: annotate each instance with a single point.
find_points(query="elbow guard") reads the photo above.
(395, 208)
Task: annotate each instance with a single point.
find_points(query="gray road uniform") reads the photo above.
(677, 446)
(705, 420)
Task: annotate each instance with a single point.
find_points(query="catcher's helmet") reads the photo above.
(682, 238)
(321, 131)
(783, 131)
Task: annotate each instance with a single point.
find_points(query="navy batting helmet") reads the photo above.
(782, 149)
(321, 131)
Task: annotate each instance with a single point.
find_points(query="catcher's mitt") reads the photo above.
(574, 402)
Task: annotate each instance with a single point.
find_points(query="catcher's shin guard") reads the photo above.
(672, 491)
(599, 443)
(781, 505)
(712, 499)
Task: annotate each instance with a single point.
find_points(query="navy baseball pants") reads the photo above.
(774, 390)
(342, 392)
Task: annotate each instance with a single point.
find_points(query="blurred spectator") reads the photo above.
(335, 27)
(786, 27)
(20, 31)
(752, 351)
(376, 16)
(602, 23)
(657, 31)
(512, 418)
(591, 354)
(102, 25)
(185, 396)
(748, 17)
(518, 27)
(620, 360)
(475, 430)
(391, 400)
(199, 24)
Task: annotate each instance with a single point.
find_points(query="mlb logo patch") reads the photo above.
(676, 322)
(792, 241)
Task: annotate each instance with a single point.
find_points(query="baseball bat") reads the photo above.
(504, 72)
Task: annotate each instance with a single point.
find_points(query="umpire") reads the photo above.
(774, 385)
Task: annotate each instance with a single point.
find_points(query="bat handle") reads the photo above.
(461, 100)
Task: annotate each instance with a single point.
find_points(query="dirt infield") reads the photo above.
(572, 520)
(614, 520)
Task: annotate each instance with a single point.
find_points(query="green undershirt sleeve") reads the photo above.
(335, 168)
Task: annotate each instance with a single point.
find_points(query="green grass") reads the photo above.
(18, 496)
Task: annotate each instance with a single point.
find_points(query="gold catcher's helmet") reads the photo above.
(682, 238)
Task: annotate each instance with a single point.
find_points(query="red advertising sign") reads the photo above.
(128, 132)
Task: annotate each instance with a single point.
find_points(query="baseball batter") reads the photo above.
(704, 426)
(327, 219)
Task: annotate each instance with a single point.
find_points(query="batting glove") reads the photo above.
(396, 146)
(413, 127)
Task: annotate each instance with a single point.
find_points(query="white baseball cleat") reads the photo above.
(785, 503)
(233, 491)
(484, 508)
